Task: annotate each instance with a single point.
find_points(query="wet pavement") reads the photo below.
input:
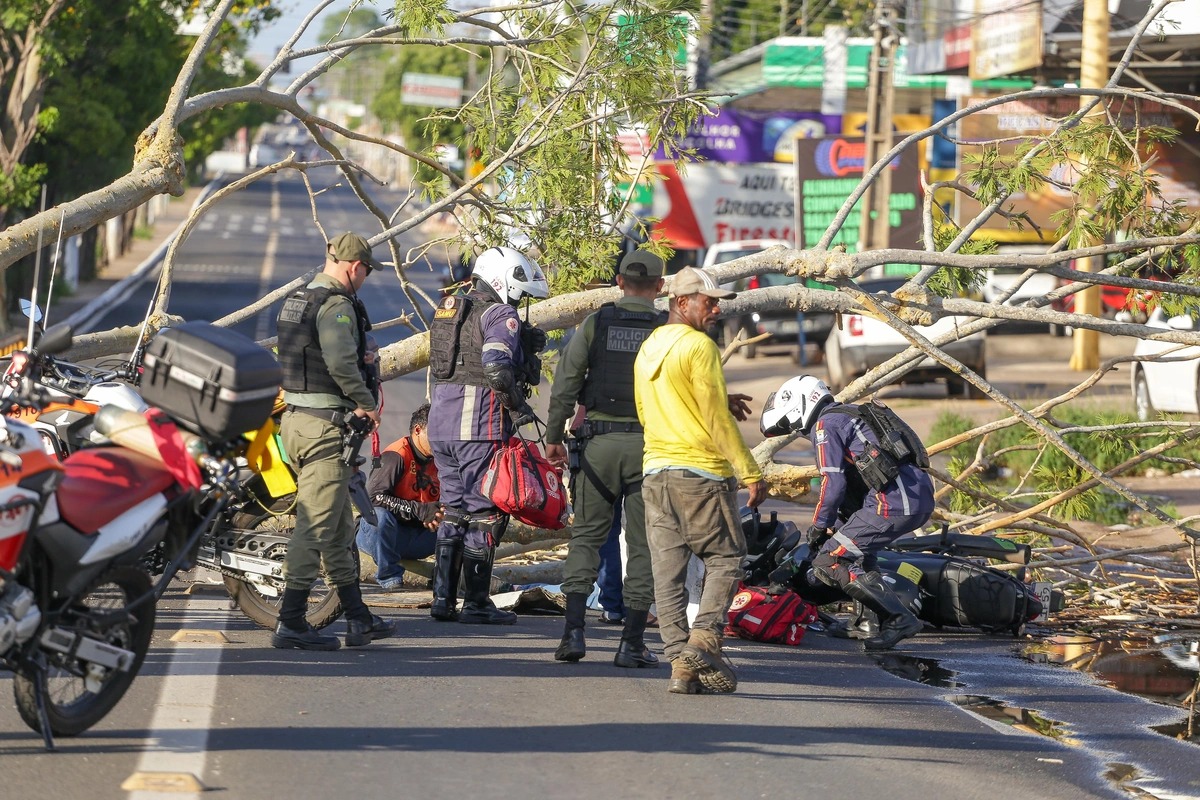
(1130, 703)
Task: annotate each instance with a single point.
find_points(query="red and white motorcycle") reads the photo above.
(77, 604)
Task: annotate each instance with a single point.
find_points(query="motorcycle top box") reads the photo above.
(215, 382)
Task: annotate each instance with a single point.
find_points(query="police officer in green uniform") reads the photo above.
(322, 349)
(596, 371)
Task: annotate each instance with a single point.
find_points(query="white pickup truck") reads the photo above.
(864, 342)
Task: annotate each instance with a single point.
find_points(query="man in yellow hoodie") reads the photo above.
(694, 458)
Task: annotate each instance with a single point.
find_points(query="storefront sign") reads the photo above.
(1177, 167)
(828, 170)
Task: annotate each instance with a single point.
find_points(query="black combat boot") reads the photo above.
(447, 564)
(632, 652)
(362, 627)
(895, 621)
(293, 630)
(478, 608)
(573, 647)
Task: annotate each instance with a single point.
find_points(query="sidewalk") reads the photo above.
(140, 260)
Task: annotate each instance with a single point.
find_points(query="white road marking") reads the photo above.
(262, 328)
(178, 739)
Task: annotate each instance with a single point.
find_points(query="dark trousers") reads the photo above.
(608, 578)
(391, 540)
(851, 551)
(460, 471)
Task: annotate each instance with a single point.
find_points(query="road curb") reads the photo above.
(82, 319)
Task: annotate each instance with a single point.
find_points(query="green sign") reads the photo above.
(828, 170)
(643, 194)
(803, 66)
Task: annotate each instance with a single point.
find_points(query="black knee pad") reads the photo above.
(491, 527)
(834, 571)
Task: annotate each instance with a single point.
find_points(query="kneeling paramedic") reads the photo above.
(332, 400)
(482, 358)
(877, 497)
(405, 492)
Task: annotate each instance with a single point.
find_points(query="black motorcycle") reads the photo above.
(943, 578)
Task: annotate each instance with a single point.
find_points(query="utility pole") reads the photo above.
(1093, 74)
(873, 231)
(704, 44)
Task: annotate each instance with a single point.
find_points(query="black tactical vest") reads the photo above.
(619, 334)
(455, 340)
(304, 369)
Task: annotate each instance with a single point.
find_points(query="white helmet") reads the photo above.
(795, 406)
(512, 275)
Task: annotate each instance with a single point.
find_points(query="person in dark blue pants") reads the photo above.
(609, 577)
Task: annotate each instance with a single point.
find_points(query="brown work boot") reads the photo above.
(684, 680)
(702, 654)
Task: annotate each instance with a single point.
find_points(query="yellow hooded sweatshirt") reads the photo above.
(682, 404)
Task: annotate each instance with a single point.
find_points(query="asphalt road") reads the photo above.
(443, 710)
(263, 237)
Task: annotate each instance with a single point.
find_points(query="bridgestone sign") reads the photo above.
(437, 91)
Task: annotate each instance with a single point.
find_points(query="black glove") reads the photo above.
(523, 416)
(817, 536)
(426, 512)
(534, 339)
(407, 510)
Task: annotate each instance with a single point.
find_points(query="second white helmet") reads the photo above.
(795, 406)
(511, 274)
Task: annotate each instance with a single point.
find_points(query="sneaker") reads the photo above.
(612, 618)
(392, 585)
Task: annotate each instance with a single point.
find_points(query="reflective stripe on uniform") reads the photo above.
(848, 544)
(501, 346)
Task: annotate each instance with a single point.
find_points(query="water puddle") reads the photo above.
(919, 670)
(930, 672)
(1162, 669)
(1022, 719)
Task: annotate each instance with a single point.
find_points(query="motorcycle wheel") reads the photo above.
(71, 708)
(324, 607)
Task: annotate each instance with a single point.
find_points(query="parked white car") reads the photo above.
(864, 342)
(721, 252)
(998, 282)
(1170, 386)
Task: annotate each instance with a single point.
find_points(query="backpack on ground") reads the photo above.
(761, 617)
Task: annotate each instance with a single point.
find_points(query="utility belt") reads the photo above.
(596, 427)
(331, 415)
(576, 464)
(354, 429)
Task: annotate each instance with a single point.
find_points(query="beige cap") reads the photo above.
(696, 281)
(642, 263)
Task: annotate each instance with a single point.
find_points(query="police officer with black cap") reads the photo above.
(322, 349)
(596, 371)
